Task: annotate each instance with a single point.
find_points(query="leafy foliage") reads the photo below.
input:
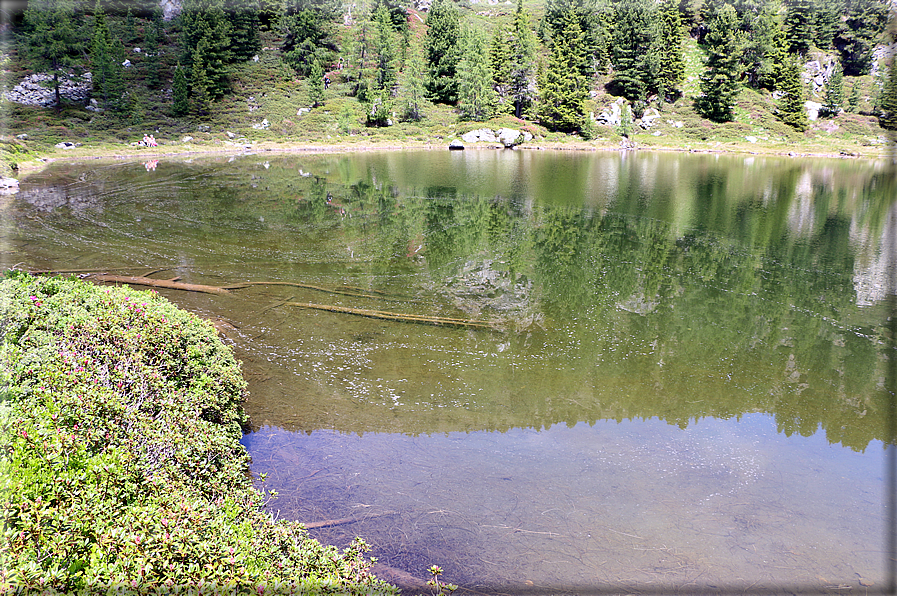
(122, 467)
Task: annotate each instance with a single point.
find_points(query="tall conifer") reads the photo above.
(476, 97)
(564, 88)
(791, 107)
(443, 35)
(720, 81)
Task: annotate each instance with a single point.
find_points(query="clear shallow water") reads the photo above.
(683, 388)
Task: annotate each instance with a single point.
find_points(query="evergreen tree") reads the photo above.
(153, 44)
(500, 56)
(443, 35)
(307, 28)
(669, 50)
(633, 49)
(316, 85)
(386, 49)
(853, 100)
(825, 21)
(411, 84)
(476, 98)
(860, 31)
(564, 87)
(207, 23)
(200, 84)
(522, 68)
(180, 92)
(887, 102)
(243, 16)
(52, 41)
(834, 92)
(766, 50)
(106, 71)
(791, 107)
(798, 26)
(720, 81)
(593, 18)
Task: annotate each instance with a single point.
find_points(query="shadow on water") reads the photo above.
(684, 389)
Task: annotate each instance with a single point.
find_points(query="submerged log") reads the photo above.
(341, 521)
(394, 316)
(171, 284)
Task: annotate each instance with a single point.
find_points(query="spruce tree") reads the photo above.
(564, 89)
(826, 18)
(834, 92)
(316, 85)
(632, 50)
(106, 71)
(720, 81)
(669, 51)
(180, 92)
(765, 50)
(798, 26)
(243, 16)
(593, 18)
(522, 69)
(476, 98)
(386, 49)
(859, 32)
(443, 35)
(791, 107)
(52, 41)
(887, 101)
(200, 84)
(208, 24)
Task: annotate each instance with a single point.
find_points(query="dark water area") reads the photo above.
(681, 385)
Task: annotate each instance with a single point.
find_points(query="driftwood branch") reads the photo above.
(393, 316)
(347, 291)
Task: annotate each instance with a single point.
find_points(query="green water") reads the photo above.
(681, 386)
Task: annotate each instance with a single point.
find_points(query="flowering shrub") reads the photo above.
(120, 461)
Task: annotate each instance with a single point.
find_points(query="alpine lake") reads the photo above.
(545, 372)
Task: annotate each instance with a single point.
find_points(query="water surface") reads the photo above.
(682, 385)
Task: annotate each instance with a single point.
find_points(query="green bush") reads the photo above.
(121, 469)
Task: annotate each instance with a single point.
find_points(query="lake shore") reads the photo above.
(172, 148)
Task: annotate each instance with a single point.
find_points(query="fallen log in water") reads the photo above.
(394, 316)
(171, 284)
(356, 293)
(404, 580)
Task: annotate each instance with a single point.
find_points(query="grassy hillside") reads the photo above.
(267, 96)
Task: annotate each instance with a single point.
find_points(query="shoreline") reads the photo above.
(130, 153)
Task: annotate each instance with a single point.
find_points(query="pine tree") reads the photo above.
(791, 107)
(834, 92)
(887, 102)
(52, 38)
(669, 51)
(476, 98)
(443, 35)
(564, 87)
(180, 92)
(720, 81)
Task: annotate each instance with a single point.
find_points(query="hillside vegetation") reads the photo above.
(585, 73)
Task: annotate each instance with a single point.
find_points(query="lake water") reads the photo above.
(679, 383)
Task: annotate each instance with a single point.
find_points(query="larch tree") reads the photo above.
(386, 42)
(720, 81)
(476, 97)
(411, 84)
(887, 102)
(106, 71)
(522, 68)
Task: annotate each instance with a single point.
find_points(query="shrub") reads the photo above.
(120, 422)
